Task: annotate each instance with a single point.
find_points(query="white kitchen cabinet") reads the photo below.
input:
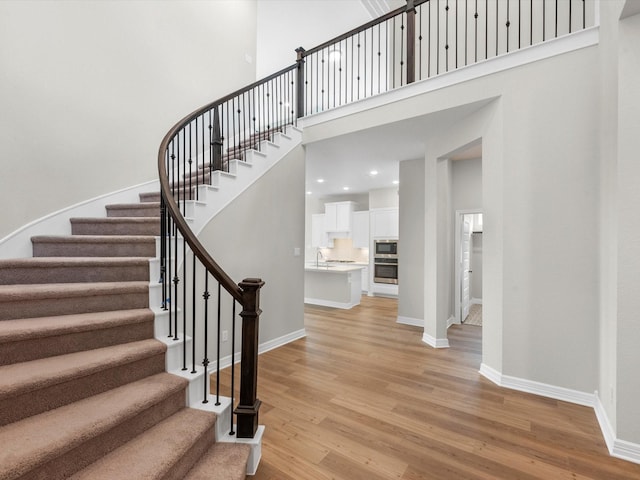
(360, 229)
(385, 223)
(319, 236)
(338, 216)
(365, 279)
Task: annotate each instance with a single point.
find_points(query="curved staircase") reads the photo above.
(83, 388)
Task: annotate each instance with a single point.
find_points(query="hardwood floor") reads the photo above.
(362, 398)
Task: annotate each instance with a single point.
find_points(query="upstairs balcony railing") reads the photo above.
(421, 40)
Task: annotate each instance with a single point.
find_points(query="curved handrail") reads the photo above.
(172, 206)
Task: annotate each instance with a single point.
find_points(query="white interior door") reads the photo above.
(465, 262)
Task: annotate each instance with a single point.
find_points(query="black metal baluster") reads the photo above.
(519, 22)
(352, 97)
(169, 299)
(205, 360)
(570, 3)
(584, 16)
(466, 28)
(194, 337)
(456, 43)
(402, 62)
(446, 37)
(544, 19)
(163, 251)
(233, 363)
(438, 38)
(531, 24)
(379, 55)
(486, 29)
(393, 70)
(372, 57)
(358, 76)
(176, 279)
(218, 347)
(420, 41)
(497, 28)
(556, 22)
(508, 24)
(475, 16)
(184, 306)
(429, 45)
(210, 146)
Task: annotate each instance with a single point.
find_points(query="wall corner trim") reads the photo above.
(416, 322)
(435, 342)
(621, 449)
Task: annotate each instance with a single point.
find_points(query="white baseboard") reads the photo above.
(330, 303)
(451, 321)
(416, 322)
(435, 342)
(538, 388)
(476, 301)
(280, 341)
(617, 448)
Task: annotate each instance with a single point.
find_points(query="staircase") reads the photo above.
(83, 388)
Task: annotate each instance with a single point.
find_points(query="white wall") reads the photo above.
(411, 259)
(284, 25)
(540, 293)
(628, 325)
(88, 90)
(383, 198)
(255, 236)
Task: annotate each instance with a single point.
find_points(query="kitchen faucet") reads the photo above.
(318, 255)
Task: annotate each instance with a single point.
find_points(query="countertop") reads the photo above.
(333, 267)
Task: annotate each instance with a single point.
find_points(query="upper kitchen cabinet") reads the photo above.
(360, 229)
(385, 223)
(338, 216)
(319, 237)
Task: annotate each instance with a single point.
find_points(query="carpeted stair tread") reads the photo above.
(19, 378)
(73, 269)
(142, 209)
(37, 440)
(115, 226)
(39, 300)
(23, 328)
(27, 339)
(94, 246)
(166, 451)
(223, 461)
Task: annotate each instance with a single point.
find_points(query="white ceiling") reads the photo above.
(347, 160)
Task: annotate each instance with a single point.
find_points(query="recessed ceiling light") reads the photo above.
(373, 172)
(396, 182)
(320, 180)
(345, 188)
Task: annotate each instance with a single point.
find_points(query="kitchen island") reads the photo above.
(330, 285)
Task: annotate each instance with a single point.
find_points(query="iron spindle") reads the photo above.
(508, 24)
(205, 360)
(486, 29)
(556, 19)
(193, 315)
(438, 38)
(233, 362)
(570, 2)
(184, 306)
(218, 347)
(446, 37)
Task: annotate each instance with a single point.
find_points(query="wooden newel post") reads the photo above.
(411, 42)
(300, 83)
(249, 405)
(216, 142)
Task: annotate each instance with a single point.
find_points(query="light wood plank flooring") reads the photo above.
(362, 398)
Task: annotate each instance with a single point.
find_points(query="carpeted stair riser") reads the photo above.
(29, 301)
(149, 209)
(167, 451)
(72, 270)
(70, 462)
(93, 246)
(23, 340)
(24, 400)
(149, 197)
(115, 226)
(224, 461)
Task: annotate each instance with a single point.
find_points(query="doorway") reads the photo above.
(468, 267)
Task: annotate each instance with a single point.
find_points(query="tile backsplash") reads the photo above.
(343, 250)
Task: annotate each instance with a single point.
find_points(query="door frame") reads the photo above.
(459, 218)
